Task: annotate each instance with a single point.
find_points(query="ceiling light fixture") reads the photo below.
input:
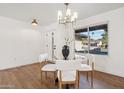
(68, 18)
(34, 22)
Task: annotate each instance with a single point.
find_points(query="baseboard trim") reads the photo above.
(109, 73)
(19, 66)
(110, 78)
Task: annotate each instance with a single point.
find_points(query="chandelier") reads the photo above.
(68, 17)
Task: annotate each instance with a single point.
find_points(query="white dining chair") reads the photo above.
(46, 66)
(88, 67)
(77, 56)
(83, 59)
(67, 72)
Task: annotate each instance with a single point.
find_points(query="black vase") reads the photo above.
(65, 51)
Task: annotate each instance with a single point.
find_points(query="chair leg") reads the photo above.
(78, 83)
(54, 77)
(41, 75)
(87, 76)
(78, 79)
(75, 85)
(46, 75)
(91, 79)
(60, 85)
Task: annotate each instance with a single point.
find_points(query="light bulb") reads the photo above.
(68, 12)
(75, 15)
(59, 15)
(72, 18)
(34, 24)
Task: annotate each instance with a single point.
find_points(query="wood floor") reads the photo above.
(28, 77)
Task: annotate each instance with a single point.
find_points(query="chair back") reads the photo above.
(83, 59)
(91, 58)
(43, 57)
(80, 56)
(67, 64)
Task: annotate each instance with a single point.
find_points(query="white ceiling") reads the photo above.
(46, 13)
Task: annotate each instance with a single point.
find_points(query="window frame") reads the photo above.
(88, 27)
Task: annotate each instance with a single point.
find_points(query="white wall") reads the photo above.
(20, 44)
(114, 62)
(60, 33)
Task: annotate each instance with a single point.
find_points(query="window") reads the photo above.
(93, 40)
